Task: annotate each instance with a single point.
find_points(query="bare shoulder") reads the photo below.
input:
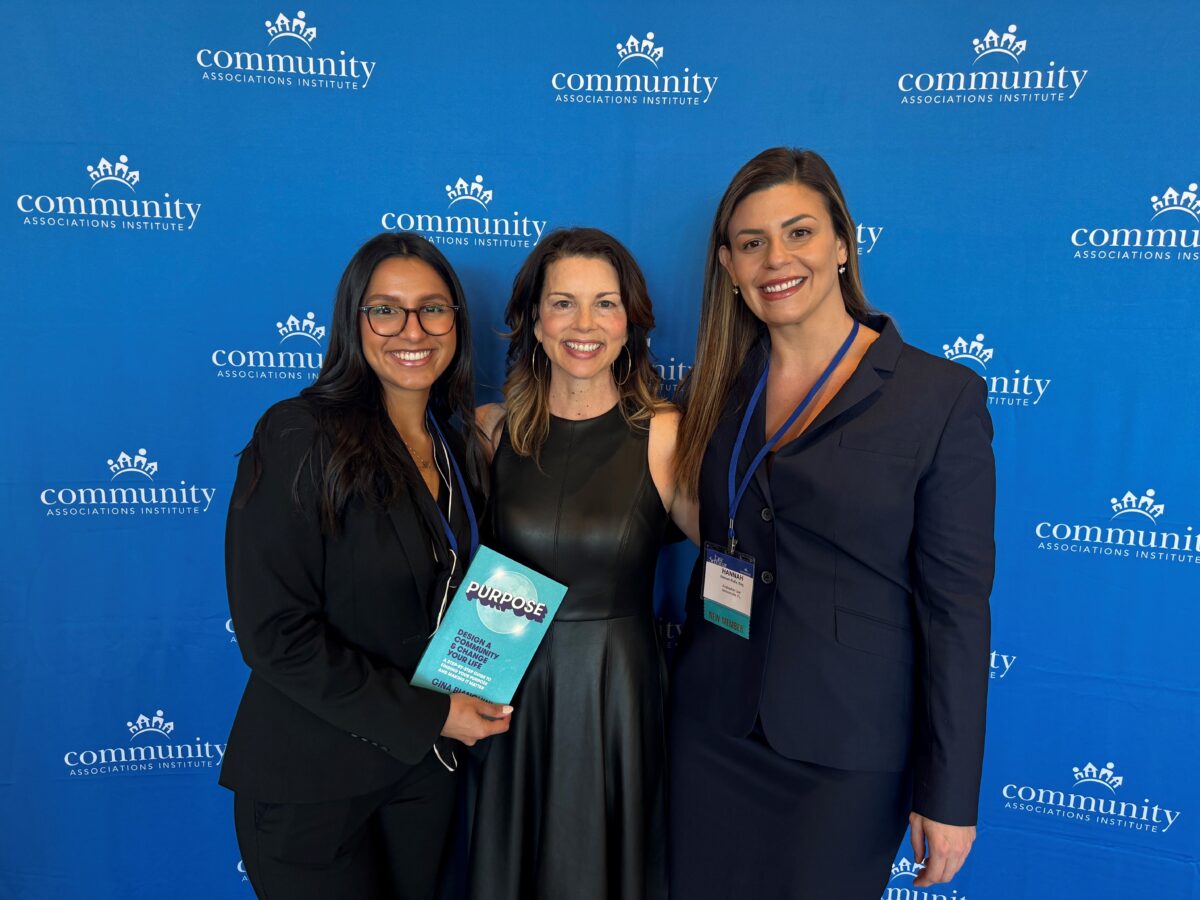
(664, 426)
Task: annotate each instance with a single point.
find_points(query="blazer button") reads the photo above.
(767, 577)
(766, 514)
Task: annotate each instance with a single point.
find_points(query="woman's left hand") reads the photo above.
(948, 847)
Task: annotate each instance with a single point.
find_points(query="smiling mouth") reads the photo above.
(410, 357)
(781, 287)
(583, 346)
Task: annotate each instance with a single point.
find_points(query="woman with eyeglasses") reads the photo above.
(350, 524)
(571, 802)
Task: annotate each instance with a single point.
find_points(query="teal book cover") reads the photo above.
(494, 625)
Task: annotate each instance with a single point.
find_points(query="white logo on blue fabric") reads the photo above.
(297, 356)
(670, 370)
(1129, 530)
(645, 49)
(995, 75)
(867, 237)
(129, 490)
(1006, 43)
(646, 82)
(293, 27)
(1000, 664)
(473, 191)
(1015, 389)
(1091, 797)
(458, 225)
(1146, 505)
(285, 61)
(899, 886)
(151, 746)
(138, 464)
(119, 173)
(1165, 241)
(1171, 200)
(905, 868)
(111, 202)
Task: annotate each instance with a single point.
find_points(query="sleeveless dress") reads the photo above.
(571, 800)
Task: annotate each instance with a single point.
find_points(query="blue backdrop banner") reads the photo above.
(185, 184)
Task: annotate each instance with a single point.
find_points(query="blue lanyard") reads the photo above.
(736, 493)
(462, 486)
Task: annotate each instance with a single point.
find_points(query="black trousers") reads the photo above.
(747, 822)
(387, 844)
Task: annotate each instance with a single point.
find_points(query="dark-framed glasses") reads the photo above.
(388, 320)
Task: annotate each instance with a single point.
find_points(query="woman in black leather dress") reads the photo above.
(571, 802)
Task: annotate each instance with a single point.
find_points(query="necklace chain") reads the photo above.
(422, 463)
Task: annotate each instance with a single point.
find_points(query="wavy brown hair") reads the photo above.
(527, 383)
(728, 330)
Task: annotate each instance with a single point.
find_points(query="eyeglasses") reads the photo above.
(386, 320)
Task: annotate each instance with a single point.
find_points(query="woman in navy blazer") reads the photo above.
(853, 702)
(338, 564)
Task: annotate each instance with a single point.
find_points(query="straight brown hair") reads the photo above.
(728, 330)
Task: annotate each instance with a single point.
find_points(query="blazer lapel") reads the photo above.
(755, 434)
(411, 537)
(862, 384)
(755, 438)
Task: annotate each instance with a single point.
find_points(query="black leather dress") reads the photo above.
(571, 800)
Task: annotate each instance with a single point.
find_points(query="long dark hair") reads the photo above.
(728, 329)
(527, 383)
(362, 455)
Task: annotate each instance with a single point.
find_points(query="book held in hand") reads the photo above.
(491, 630)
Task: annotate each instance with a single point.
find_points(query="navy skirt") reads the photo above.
(747, 822)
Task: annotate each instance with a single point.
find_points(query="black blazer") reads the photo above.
(331, 627)
(873, 539)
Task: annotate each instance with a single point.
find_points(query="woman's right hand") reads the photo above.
(472, 720)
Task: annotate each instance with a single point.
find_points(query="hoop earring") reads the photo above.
(628, 371)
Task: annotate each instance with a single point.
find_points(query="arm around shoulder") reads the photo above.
(664, 436)
(489, 418)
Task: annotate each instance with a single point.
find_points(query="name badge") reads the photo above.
(728, 589)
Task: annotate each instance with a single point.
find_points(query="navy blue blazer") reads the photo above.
(873, 539)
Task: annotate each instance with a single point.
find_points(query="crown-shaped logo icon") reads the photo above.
(306, 327)
(472, 191)
(286, 26)
(125, 464)
(1146, 505)
(1090, 774)
(632, 48)
(119, 172)
(145, 724)
(973, 351)
(904, 867)
(991, 42)
(1172, 200)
